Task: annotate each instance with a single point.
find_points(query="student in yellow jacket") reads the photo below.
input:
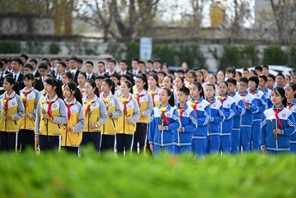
(30, 98)
(72, 131)
(95, 116)
(12, 112)
(145, 103)
(51, 114)
(153, 89)
(110, 128)
(127, 123)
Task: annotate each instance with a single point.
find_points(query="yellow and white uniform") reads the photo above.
(154, 96)
(145, 103)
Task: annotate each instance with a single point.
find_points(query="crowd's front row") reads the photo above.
(201, 122)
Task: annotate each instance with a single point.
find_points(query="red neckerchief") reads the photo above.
(182, 110)
(195, 108)
(289, 106)
(276, 112)
(253, 92)
(153, 95)
(165, 119)
(246, 104)
(124, 106)
(26, 94)
(88, 108)
(69, 110)
(49, 110)
(223, 100)
(212, 102)
(7, 100)
(139, 97)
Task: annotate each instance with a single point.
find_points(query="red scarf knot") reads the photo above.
(276, 112)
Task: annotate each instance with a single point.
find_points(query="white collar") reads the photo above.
(85, 99)
(9, 96)
(142, 92)
(24, 90)
(71, 102)
(73, 71)
(102, 95)
(52, 100)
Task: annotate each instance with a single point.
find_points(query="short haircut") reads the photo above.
(123, 61)
(43, 66)
(185, 90)
(28, 65)
(73, 58)
(142, 62)
(157, 60)
(18, 60)
(116, 75)
(34, 61)
(239, 73)
(24, 56)
(171, 72)
(180, 71)
(162, 72)
(271, 76)
(58, 59)
(45, 59)
(230, 70)
(1, 64)
(89, 62)
(150, 61)
(79, 60)
(246, 69)
(280, 74)
(5, 60)
(232, 81)
(100, 77)
(263, 77)
(67, 59)
(244, 80)
(62, 63)
(112, 61)
(265, 66)
(101, 62)
(258, 67)
(136, 59)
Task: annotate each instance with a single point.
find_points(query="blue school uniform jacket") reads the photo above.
(261, 104)
(167, 136)
(267, 94)
(203, 114)
(188, 124)
(228, 106)
(217, 117)
(268, 139)
(292, 108)
(247, 118)
(239, 111)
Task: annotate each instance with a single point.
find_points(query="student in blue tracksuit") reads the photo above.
(278, 125)
(239, 111)
(188, 122)
(247, 118)
(267, 92)
(217, 117)
(262, 106)
(203, 113)
(228, 106)
(290, 92)
(163, 125)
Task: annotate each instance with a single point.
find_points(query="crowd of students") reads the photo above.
(56, 105)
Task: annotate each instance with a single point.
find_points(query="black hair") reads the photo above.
(73, 58)
(281, 91)
(162, 72)
(193, 74)
(149, 61)
(49, 75)
(45, 59)
(142, 62)
(90, 62)
(258, 67)
(254, 79)
(28, 65)
(112, 61)
(185, 90)
(69, 75)
(129, 85)
(263, 77)
(280, 74)
(52, 59)
(199, 87)
(223, 81)
(211, 85)
(33, 60)
(24, 56)
(99, 77)
(144, 79)
(246, 69)
(110, 83)
(1, 64)
(43, 66)
(203, 78)
(171, 94)
(101, 62)
(73, 87)
(11, 81)
(239, 73)
(93, 84)
(116, 75)
(271, 76)
(244, 80)
(171, 72)
(29, 76)
(18, 60)
(155, 76)
(265, 66)
(254, 72)
(58, 59)
(48, 65)
(232, 81)
(231, 70)
(293, 86)
(157, 60)
(5, 60)
(62, 63)
(123, 61)
(215, 76)
(172, 80)
(136, 59)
(83, 74)
(180, 71)
(53, 82)
(288, 77)
(79, 60)
(182, 79)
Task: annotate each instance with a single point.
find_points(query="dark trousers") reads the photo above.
(26, 139)
(47, 143)
(108, 142)
(140, 137)
(92, 138)
(124, 142)
(8, 141)
(69, 149)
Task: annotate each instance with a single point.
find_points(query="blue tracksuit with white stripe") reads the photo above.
(217, 117)
(247, 120)
(189, 124)
(239, 111)
(267, 94)
(262, 105)
(163, 140)
(199, 139)
(277, 143)
(228, 106)
(292, 108)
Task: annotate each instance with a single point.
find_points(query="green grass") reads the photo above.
(65, 175)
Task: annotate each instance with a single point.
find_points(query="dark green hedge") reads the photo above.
(64, 175)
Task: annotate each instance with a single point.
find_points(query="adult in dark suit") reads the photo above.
(42, 70)
(135, 66)
(89, 66)
(111, 66)
(73, 65)
(17, 65)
